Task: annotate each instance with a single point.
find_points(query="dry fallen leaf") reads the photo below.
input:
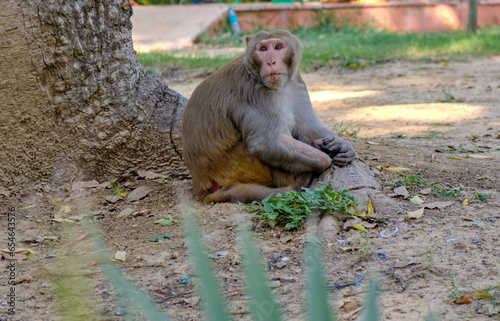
(351, 223)
(150, 175)
(416, 214)
(29, 253)
(141, 213)
(350, 248)
(360, 227)
(192, 301)
(465, 299)
(368, 224)
(89, 184)
(139, 193)
(396, 169)
(126, 213)
(120, 256)
(481, 294)
(471, 222)
(465, 202)
(351, 306)
(425, 191)
(60, 220)
(112, 198)
(479, 156)
(371, 210)
(453, 157)
(401, 190)
(439, 205)
(416, 200)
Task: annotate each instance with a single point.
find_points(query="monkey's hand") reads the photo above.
(340, 151)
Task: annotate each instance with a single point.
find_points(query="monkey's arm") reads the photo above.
(308, 128)
(265, 138)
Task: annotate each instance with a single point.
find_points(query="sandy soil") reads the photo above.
(425, 117)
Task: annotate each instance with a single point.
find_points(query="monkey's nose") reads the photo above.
(271, 63)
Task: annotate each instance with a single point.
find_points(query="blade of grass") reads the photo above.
(210, 292)
(431, 317)
(262, 302)
(372, 311)
(317, 305)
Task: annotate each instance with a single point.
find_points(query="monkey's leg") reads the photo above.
(244, 193)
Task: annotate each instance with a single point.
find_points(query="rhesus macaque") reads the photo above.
(249, 129)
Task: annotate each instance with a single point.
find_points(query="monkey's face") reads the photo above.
(273, 56)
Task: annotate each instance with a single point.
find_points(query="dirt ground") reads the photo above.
(433, 118)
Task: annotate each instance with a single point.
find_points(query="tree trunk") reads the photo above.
(74, 101)
(472, 21)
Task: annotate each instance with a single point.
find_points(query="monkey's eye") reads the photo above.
(279, 46)
(263, 48)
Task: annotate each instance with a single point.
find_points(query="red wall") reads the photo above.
(393, 16)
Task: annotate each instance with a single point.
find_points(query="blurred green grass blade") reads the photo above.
(210, 292)
(372, 311)
(128, 295)
(263, 306)
(317, 306)
(431, 317)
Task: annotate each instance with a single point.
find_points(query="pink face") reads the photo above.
(271, 53)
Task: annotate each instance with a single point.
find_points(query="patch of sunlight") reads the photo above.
(328, 95)
(433, 112)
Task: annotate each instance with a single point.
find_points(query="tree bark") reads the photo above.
(76, 104)
(74, 101)
(472, 21)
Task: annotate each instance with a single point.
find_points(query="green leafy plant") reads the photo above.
(448, 192)
(116, 190)
(431, 134)
(166, 221)
(481, 197)
(291, 208)
(415, 180)
(449, 98)
(343, 129)
(159, 238)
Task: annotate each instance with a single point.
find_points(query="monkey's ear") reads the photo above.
(248, 38)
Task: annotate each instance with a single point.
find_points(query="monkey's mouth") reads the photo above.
(277, 76)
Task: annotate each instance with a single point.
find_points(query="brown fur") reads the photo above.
(249, 129)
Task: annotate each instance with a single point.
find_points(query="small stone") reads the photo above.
(192, 301)
(280, 264)
(275, 284)
(460, 246)
(126, 213)
(236, 259)
(222, 253)
(120, 311)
